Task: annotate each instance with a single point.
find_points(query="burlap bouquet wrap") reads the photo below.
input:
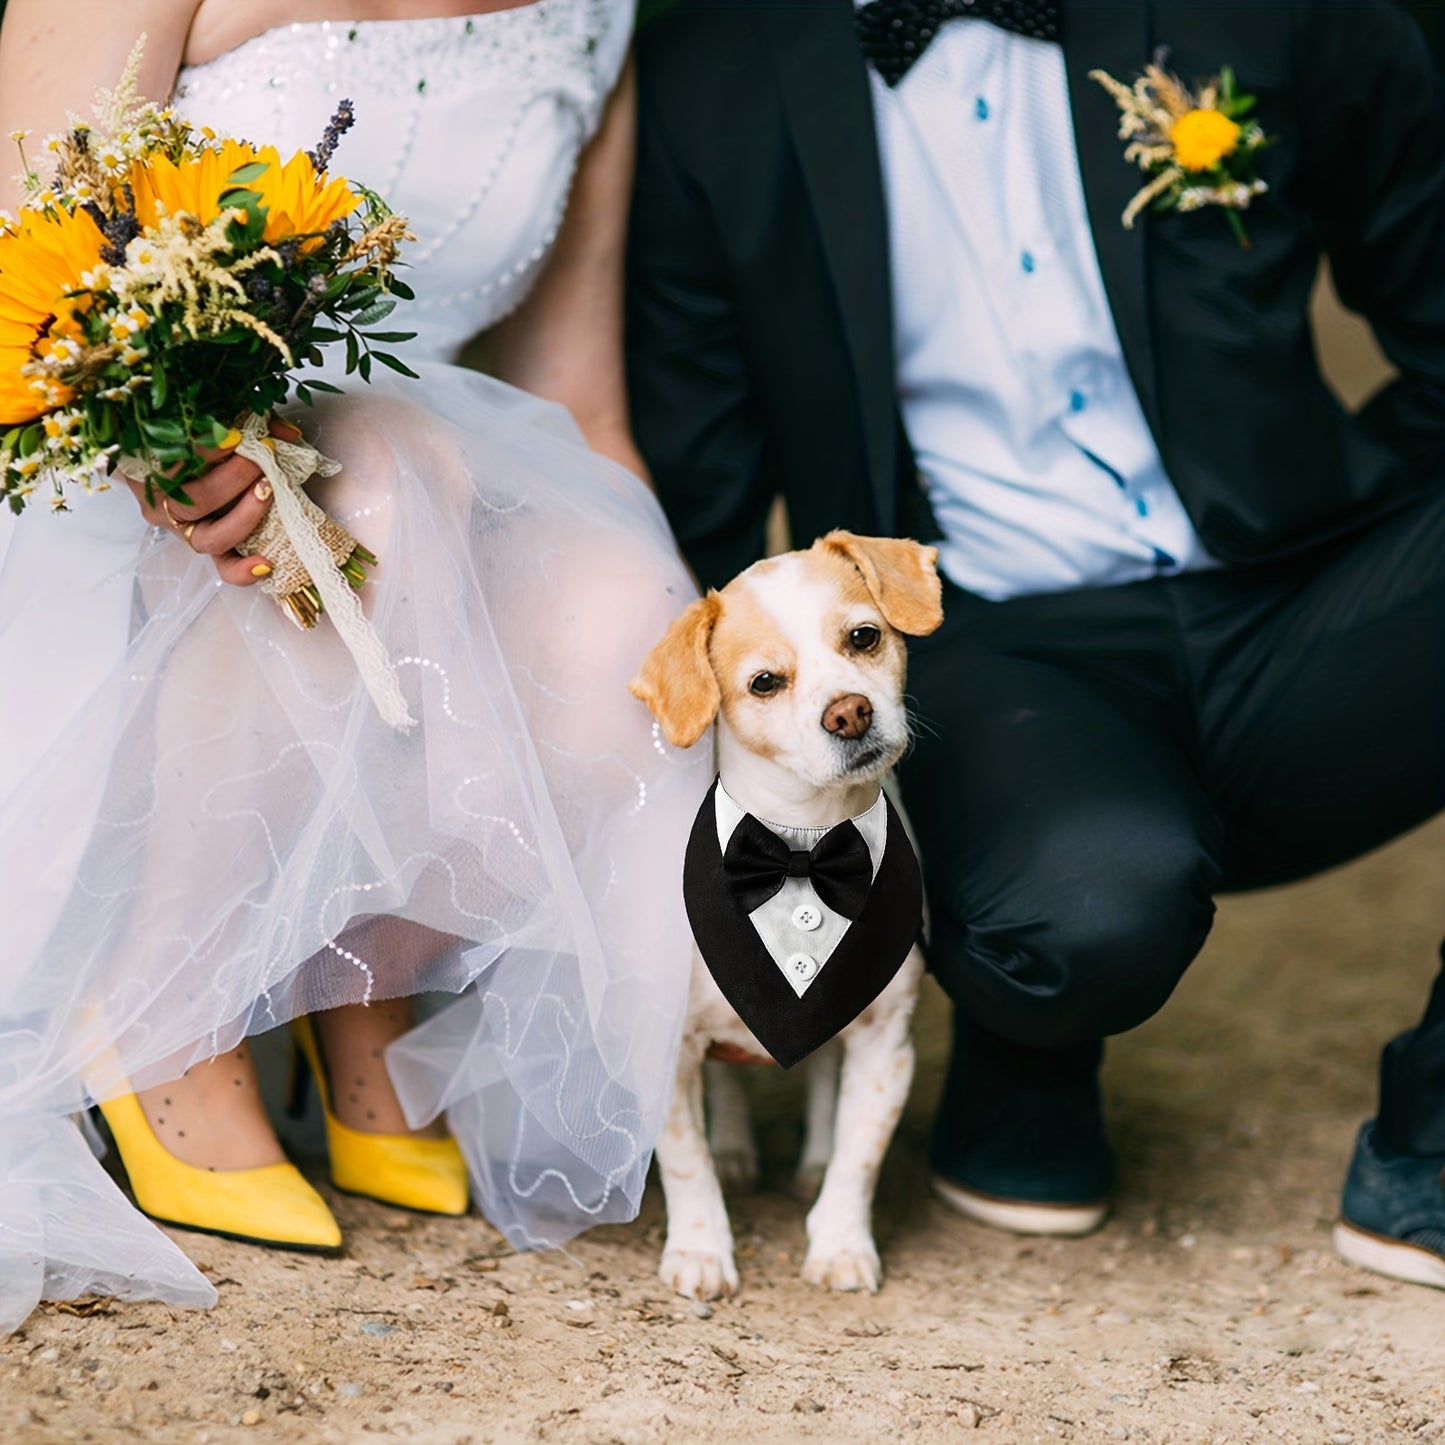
(307, 550)
(289, 576)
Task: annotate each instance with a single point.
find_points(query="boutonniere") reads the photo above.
(1197, 150)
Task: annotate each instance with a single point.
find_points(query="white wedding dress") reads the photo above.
(205, 827)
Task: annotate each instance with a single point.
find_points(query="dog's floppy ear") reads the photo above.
(901, 575)
(676, 679)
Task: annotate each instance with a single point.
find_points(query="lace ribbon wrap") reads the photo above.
(306, 548)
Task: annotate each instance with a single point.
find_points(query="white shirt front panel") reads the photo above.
(799, 932)
(1029, 436)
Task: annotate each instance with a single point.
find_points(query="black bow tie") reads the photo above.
(757, 863)
(894, 33)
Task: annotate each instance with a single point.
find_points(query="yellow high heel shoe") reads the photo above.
(271, 1205)
(427, 1175)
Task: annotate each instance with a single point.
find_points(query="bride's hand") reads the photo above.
(228, 502)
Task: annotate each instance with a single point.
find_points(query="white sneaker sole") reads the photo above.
(1389, 1256)
(1020, 1216)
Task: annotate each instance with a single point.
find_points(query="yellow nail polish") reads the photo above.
(231, 439)
(260, 570)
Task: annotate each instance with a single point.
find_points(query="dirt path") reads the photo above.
(1209, 1309)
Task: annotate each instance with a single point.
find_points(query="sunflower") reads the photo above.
(42, 256)
(297, 201)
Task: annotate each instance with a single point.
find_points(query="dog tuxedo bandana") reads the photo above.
(801, 928)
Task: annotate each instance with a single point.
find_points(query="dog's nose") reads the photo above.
(849, 716)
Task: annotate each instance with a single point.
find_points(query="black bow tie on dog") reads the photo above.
(757, 863)
(894, 33)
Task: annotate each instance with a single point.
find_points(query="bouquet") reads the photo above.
(1197, 150)
(158, 297)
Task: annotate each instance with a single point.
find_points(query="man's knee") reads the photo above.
(1081, 954)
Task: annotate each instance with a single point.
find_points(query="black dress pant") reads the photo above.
(1092, 767)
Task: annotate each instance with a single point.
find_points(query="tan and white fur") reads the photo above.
(800, 660)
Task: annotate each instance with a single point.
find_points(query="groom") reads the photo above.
(1194, 629)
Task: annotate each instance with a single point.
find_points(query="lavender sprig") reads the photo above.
(336, 127)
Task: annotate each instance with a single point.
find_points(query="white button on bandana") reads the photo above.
(802, 967)
(807, 916)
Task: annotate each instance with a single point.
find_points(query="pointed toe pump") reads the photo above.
(271, 1205)
(426, 1175)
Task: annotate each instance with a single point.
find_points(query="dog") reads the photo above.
(800, 661)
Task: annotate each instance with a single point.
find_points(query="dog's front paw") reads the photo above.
(699, 1274)
(852, 1266)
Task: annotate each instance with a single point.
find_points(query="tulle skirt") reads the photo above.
(206, 829)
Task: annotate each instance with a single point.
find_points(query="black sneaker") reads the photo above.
(1392, 1212)
(1023, 1149)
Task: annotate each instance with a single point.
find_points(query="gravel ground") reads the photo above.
(1210, 1308)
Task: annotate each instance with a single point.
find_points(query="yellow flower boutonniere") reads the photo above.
(1197, 150)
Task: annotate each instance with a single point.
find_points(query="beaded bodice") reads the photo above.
(469, 126)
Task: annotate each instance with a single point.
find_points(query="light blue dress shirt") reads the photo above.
(1029, 436)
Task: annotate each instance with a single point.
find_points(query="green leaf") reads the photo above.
(365, 367)
(378, 312)
(244, 175)
(162, 431)
(323, 335)
(158, 386)
(400, 288)
(1226, 81)
(389, 335)
(323, 386)
(394, 364)
(353, 352)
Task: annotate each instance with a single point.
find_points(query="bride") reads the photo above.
(205, 828)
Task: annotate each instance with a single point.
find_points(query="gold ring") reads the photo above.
(184, 528)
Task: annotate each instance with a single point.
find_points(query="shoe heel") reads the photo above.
(425, 1175)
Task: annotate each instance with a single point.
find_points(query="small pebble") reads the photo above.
(807, 1406)
(251, 1417)
(702, 1309)
(969, 1417)
(376, 1327)
(349, 1388)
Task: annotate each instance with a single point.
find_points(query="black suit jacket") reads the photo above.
(759, 312)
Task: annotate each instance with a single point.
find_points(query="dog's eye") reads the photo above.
(765, 684)
(865, 638)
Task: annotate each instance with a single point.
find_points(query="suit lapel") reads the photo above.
(1116, 37)
(825, 90)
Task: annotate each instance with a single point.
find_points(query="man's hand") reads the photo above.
(228, 502)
